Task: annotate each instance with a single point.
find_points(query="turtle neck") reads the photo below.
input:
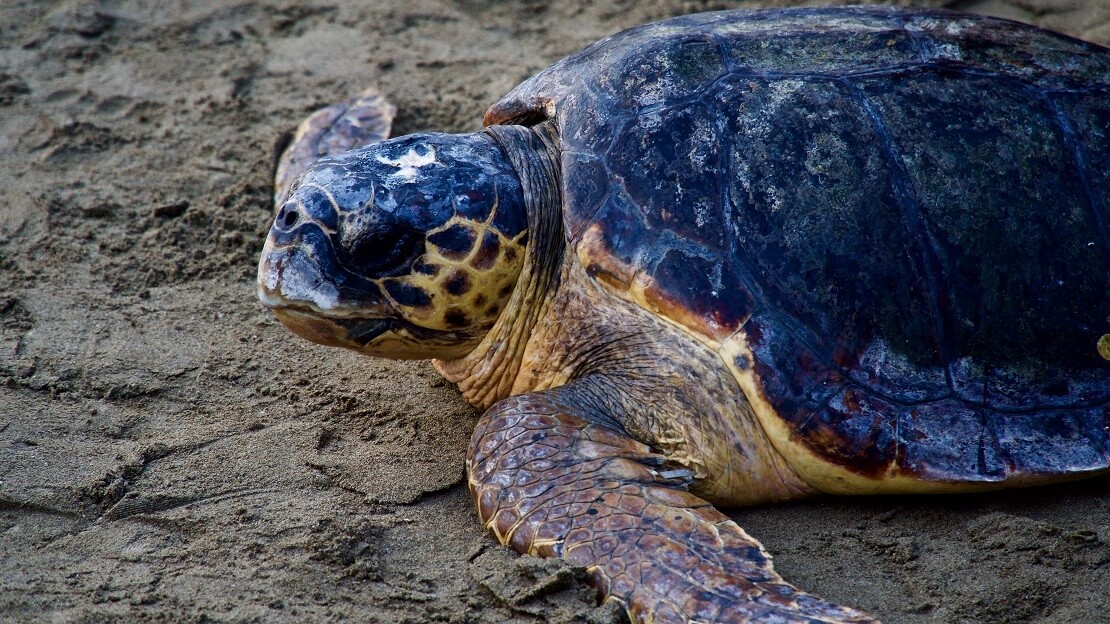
(486, 374)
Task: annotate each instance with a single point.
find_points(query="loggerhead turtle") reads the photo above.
(726, 259)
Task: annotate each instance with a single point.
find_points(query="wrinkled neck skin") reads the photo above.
(487, 374)
(630, 369)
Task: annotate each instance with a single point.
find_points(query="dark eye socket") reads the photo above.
(383, 251)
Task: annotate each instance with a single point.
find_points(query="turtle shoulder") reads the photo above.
(850, 204)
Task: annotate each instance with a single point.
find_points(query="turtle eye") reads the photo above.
(383, 251)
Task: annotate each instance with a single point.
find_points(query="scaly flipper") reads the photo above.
(550, 482)
(355, 122)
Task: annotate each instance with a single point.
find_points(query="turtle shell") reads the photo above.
(893, 224)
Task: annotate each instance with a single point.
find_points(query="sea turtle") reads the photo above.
(732, 258)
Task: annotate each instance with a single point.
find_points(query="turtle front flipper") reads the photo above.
(355, 122)
(551, 481)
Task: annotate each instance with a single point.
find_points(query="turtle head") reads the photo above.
(407, 248)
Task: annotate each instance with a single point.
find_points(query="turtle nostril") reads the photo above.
(288, 216)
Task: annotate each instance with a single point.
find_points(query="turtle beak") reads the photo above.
(291, 275)
(298, 261)
(297, 281)
(290, 284)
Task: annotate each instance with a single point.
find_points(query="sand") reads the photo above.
(169, 453)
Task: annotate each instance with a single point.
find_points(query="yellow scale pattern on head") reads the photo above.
(488, 279)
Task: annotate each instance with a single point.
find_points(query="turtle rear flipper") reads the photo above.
(355, 122)
(550, 482)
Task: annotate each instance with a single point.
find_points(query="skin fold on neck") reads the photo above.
(487, 374)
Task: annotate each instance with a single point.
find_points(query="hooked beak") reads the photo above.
(291, 285)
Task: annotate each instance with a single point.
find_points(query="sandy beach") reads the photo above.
(170, 453)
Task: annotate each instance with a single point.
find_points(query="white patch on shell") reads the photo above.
(409, 163)
(940, 49)
(882, 358)
(760, 128)
(703, 142)
(955, 27)
(651, 120)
